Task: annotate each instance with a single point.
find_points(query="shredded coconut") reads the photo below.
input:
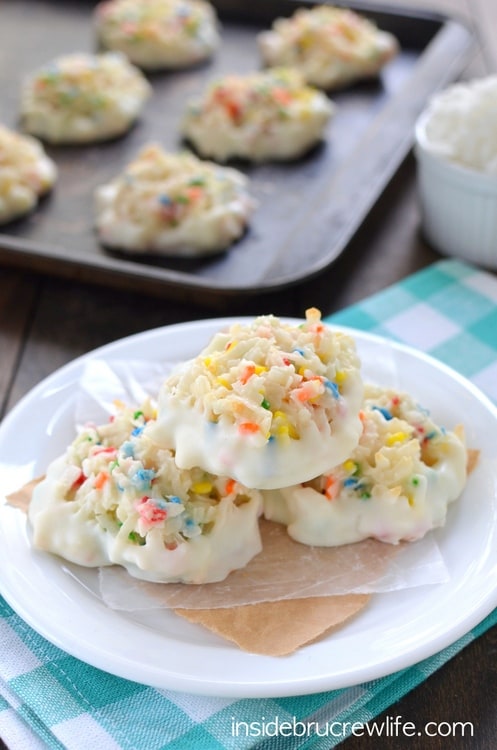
(461, 124)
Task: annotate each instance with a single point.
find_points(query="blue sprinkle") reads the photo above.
(142, 478)
(128, 449)
(430, 435)
(121, 489)
(333, 388)
(383, 411)
(350, 482)
(159, 503)
(190, 523)
(299, 351)
(165, 200)
(138, 431)
(175, 499)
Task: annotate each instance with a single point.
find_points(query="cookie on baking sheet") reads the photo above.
(173, 204)
(331, 47)
(159, 34)
(268, 115)
(26, 173)
(80, 98)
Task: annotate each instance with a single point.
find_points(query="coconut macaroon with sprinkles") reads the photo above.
(158, 34)
(263, 116)
(81, 98)
(173, 204)
(267, 402)
(115, 497)
(26, 173)
(395, 485)
(331, 47)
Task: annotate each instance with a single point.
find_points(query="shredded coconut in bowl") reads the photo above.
(116, 497)
(460, 124)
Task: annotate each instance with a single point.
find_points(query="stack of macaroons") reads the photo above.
(271, 417)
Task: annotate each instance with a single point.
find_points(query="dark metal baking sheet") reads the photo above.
(307, 210)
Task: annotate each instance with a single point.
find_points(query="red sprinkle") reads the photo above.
(248, 428)
(230, 486)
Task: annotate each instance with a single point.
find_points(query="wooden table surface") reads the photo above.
(46, 322)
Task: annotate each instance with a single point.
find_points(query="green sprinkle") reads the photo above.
(182, 199)
(137, 414)
(365, 495)
(265, 404)
(415, 481)
(197, 182)
(133, 536)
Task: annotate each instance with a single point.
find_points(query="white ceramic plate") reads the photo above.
(160, 649)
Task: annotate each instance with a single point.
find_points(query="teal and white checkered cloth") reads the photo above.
(52, 700)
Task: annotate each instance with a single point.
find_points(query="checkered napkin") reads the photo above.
(52, 700)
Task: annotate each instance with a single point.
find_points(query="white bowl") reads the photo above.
(458, 205)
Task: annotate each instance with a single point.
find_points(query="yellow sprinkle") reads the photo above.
(349, 465)
(397, 437)
(260, 369)
(231, 345)
(301, 370)
(223, 382)
(207, 361)
(279, 414)
(410, 500)
(119, 404)
(202, 488)
(340, 377)
(287, 430)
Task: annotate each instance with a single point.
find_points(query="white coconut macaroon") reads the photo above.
(263, 116)
(159, 34)
(266, 402)
(396, 485)
(81, 98)
(173, 204)
(115, 497)
(331, 47)
(26, 173)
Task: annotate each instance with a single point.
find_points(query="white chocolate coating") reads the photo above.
(265, 403)
(159, 34)
(263, 116)
(80, 98)
(330, 47)
(26, 173)
(173, 204)
(395, 486)
(116, 498)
